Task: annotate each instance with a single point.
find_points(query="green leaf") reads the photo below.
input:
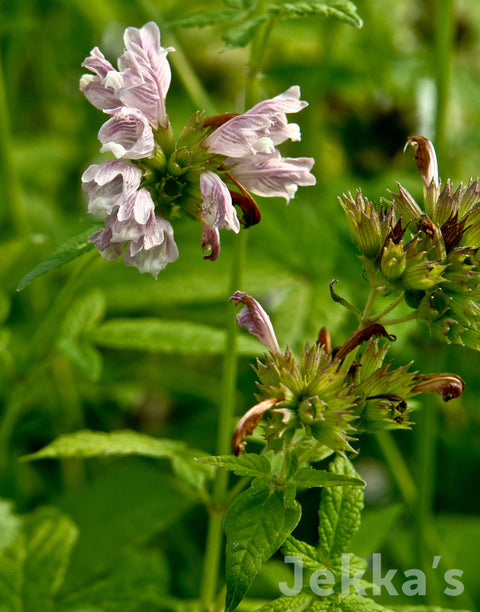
(357, 603)
(309, 477)
(87, 444)
(50, 539)
(243, 33)
(339, 9)
(32, 568)
(256, 525)
(69, 250)
(297, 603)
(158, 336)
(191, 471)
(206, 18)
(117, 510)
(339, 513)
(9, 524)
(245, 465)
(83, 316)
(138, 581)
(297, 548)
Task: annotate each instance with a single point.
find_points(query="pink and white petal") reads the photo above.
(238, 136)
(255, 320)
(217, 207)
(210, 242)
(110, 251)
(273, 176)
(144, 207)
(127, 134)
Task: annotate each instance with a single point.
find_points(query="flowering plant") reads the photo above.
(237, 496)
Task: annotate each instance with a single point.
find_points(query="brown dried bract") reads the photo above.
(360, 336)
(325, 340)
(249, 422)
(448, 386)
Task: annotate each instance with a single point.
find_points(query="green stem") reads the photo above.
(398, 467)
(388, 308)
(216, 511)
(398, 320)
(372, 296)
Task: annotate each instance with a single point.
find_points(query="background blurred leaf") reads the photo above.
(157, 336)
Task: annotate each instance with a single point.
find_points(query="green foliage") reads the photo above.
(256, 525)
(68, 251)
(157, 336)
(32, 567)
(244, 20)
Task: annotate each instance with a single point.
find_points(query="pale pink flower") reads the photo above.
(272, 175)
(127, 134)
(217, 207)
(109, 185)
(255, 320)
(101, 88)
(260, 128)
(146, 73)
(141, 81)
(210, 242)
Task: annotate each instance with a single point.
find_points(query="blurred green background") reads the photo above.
(367, 91)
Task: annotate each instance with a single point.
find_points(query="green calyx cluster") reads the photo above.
(333, 397)
(430, 258)
(172, 174)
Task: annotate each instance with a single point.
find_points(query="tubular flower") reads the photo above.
(204, 174)
(325, 397)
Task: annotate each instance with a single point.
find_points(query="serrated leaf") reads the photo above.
(309, 477)
(297, 548)
(206, 18)
(68, 251)
(256, 525)
(85, 444)
(9, 524)
(171, 337)
(339, 512)
(339, 9)
(357, 603)
(243, 33)
(240, 5)
(297, 603)
(245, 465)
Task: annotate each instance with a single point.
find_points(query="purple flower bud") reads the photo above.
(255, 320)
(127, 134)
(217, 207)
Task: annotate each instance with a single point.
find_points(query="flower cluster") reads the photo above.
(429, 255)
(212, 167)
(329, 395)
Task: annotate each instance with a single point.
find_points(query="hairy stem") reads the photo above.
(387, 309)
